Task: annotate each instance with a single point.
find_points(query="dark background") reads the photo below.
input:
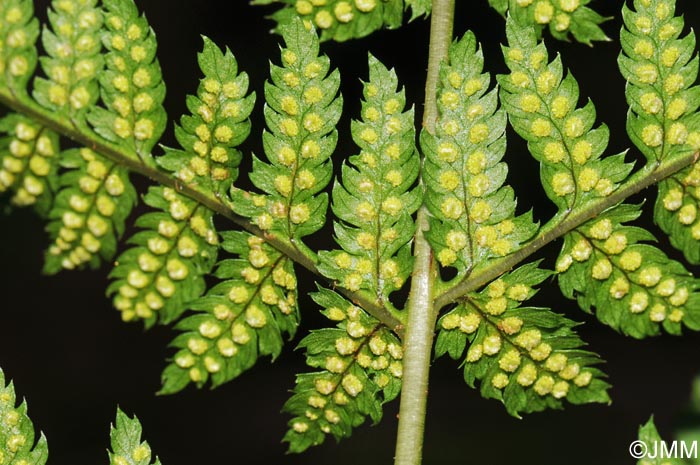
(75, 361)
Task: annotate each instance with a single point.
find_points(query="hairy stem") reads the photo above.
(560, 225)
(422, 312)
(124, 157)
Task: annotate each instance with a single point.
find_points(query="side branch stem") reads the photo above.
(304, 257)
(559, 226)
(422, 313)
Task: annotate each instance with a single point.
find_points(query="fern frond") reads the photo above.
(361, 369)
(88, 216)
(561, 17)
(419, 8)
(17, 431)
(127, 446)
(634, 287)
(29, 156)
(131, 87)
(664, 123)
(473, 213)
(162, 273)
(240, 319)
(649, 436)
(541, 106)
(342, 20)
(528, 358)
(375, 201)
(73, 44)
(302, 111)
(219, 122)
(18, 55)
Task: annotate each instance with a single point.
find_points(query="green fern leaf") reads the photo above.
(542, 108)
(375, 202)
(29, 162)
(89, 213)
(563, 18)
(419, 8)
(635, 288)
(73, 63)
(127, 447)
(649, 436)
(528, 358)
(473, 213)
(17, 432)
(18, 56)
(301, 112)
(162, 273)
(132, 88)
(240, 319)
(664, 121)
(342, 20)
(361, 369)
(219, 122)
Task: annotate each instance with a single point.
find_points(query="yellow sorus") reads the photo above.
(478, 133)
(619, 288)
(499, 380)
(662, 11)
(450, 127)
(58, 95)
(365, 6)
(452, 208)
(527, 375)
(286, 156)
(677, 134)
(486, 236)
(516, 54)
(649, 276)
(530, 103)
(651, 103)
(310, 149)
(667, 31)
(643, 24)
(456, 240)
(365, 211)
(496, 306)
(19, 66)
(630, 260)
(601, 230)
(563, 184)
(670, 56)
(518, 292)
(305, 179)
(475, 111)
(492, 344)
(143, 129)
(479, 185)
(687, 214)
(657, 313)
(673, 200)
(546, 82)
(615, 244)
(239, 334)
(673, 83)
(501, 247)
(369, 135)
(644, 48)
(554, 152)
(480, 211)
(313, 122)
(676, 108)
(449, 99)
(450, 321)
(581, 251)
(562, 22)
(449, 180)
(574, 127)
(289, 127)
(510, 325)
(666, 287)
(352, 385)
(447, 257)
(676, 315)
(543, 12)
(541, 351)
(652, 135)
(255, 317)
(588, 179)
(556, 362)
(141, 78)
(323, 19)
(393, 177)
(541, 127)
(496, 289)
(561, 106)
(312, 70)
(472, 86)
(289, 105)
(529, 339)
(520, 79)
(447, 152)
(476, 162)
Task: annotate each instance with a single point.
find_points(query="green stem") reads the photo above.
(123, 157)
(560, 225)
(422, 313)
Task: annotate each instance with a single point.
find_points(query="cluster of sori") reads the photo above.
(219, 122)
(239, 319)
(132, 87)
(89, 211)
(634, 287)
(664, 123)
(529, 358)
(17, 441)
(541, 105)
(28, 162)
(473, 213)
(342, 19)
(360, 368)
(563, 17)
(375, 200)
(301, 113)
(163, 271)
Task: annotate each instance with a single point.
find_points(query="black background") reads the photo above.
(73, 359)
